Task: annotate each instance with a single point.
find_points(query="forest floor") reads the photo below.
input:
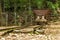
(52, 32)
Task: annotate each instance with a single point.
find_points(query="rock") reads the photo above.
(1, 33)
(2, 38)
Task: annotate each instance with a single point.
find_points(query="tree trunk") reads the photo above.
(15, 12)
(0, 13)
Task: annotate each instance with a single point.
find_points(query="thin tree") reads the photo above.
(0, 12)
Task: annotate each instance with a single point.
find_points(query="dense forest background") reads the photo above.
(20, 12)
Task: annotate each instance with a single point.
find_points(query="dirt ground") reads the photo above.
(22, 36)
(52, 32)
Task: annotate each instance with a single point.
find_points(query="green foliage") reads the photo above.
(39, 3)
(59, 3)
(24, 4)
(6, 4)
(53, 7)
